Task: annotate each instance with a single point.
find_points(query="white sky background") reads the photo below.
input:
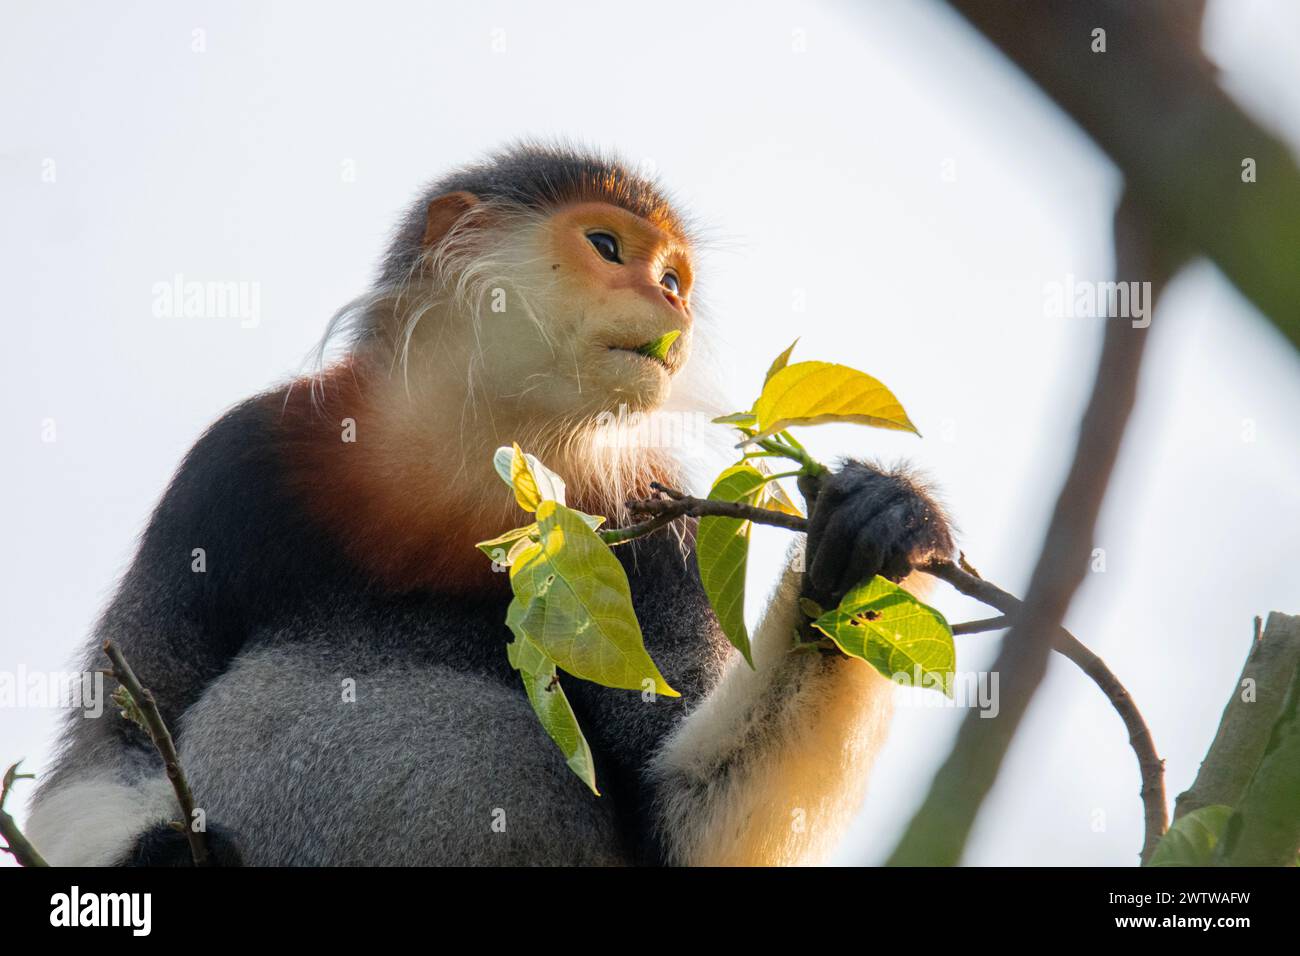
(817, 173)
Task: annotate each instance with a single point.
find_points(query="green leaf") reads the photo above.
(503, 549)
(780, 362)
(550, 704)
(532, 481)
(576, 604)
(810, 608)
(1192, 838)
(129, 709)
(722, 551)
(773, 496)
(497, 548)
(658, 349)
(741, 419)
(814, 393)
(894, 632)
(501, 462)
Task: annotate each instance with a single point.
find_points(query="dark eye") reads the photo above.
(670, 282)
(605, 244)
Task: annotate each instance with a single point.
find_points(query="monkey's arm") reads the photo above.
(774, 764)
(766, 766)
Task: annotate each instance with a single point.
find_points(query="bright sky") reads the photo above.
(812, 142)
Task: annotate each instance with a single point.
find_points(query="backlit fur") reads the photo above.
(339, 515)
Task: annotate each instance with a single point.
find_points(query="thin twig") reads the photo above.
(613, 536)
(978, 627)
(17, 845)
(1150, 766)
(678, 505)
(162, 740)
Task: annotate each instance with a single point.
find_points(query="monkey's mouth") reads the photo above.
(656, 351)
(662, 363)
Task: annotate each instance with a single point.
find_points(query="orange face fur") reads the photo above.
(557, 324)
(624, 304)
(410, 497)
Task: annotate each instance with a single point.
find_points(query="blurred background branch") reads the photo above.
(1153, 103)
(1200, 177)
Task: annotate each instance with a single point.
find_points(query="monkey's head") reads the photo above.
(537, 275)
(512, 306)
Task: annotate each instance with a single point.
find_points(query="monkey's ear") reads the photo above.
(443, 213)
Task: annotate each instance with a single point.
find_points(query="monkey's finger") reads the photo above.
(863, 564)
(828, 501)
(896, 567)
(882, 544)
(832, 549)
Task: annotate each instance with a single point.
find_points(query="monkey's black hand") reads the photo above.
(866, 522)
(163, 845)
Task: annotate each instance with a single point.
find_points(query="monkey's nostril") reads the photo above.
(673, 299)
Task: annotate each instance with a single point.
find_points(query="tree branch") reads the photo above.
(1248, 720)
(1150, 766)
(17, 844)
(153, 723)
(678, 505)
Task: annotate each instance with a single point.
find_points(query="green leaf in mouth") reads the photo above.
(658, 349)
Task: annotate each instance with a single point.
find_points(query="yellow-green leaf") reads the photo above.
(780, 362)
(1192, 838)
(722, 551)
(739, 419)
(773, 496)
(499, 547)
(814, 393)
(658, 349)
(576, 604)
(894, 632)
(532, 481)
(504, 548)
(550, 703)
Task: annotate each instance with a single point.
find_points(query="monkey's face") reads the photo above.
(611, 282)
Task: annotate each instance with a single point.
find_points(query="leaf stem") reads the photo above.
(784, 474)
